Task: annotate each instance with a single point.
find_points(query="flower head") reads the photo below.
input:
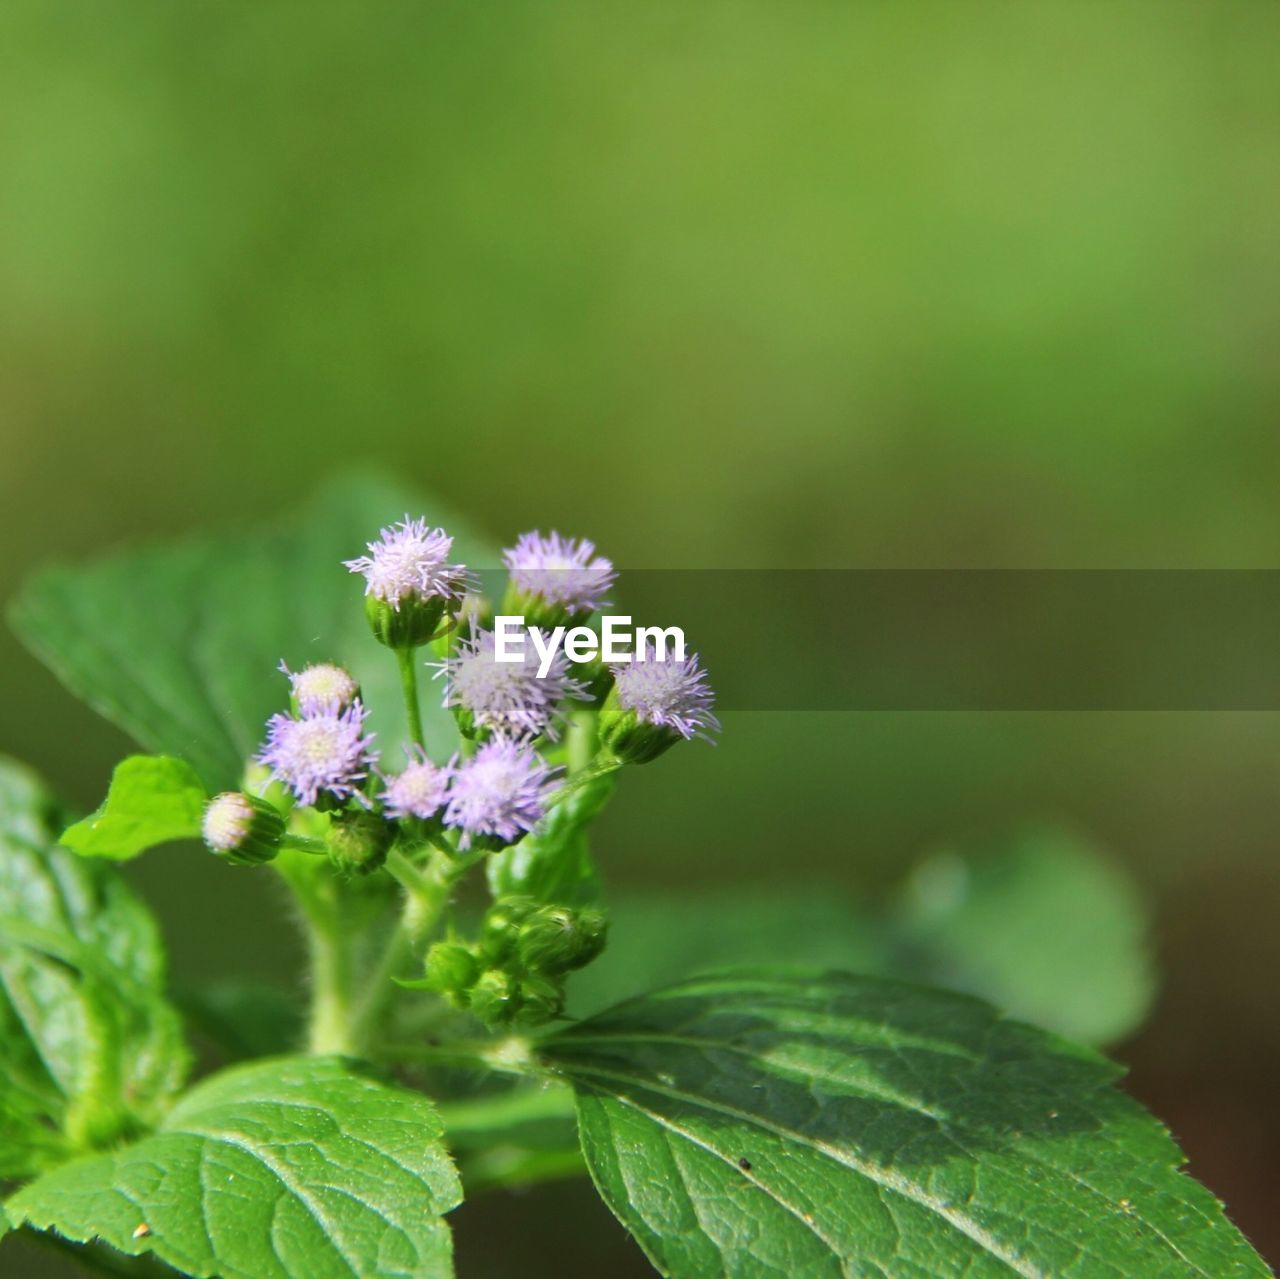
(500, 793)
(418, 791)
(327, 752)
(669, 693)
(242, 828)
(410, 559)
(322, 687)
(506, 697)
(564, 571)
(227, 820)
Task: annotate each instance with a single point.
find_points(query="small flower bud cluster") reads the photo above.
(515, 972)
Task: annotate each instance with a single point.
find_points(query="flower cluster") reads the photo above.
(513, 713)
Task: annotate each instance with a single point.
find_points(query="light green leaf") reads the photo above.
(758, 1126)
(296, 1168)
(516, 1137)
(152, 799)
(180, 645)
(89, 1046)
(1045, 928)
(554, 864)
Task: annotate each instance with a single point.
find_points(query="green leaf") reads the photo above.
(1044, 927)
(89, 1046)
(180, 646)
(517, 1137)
(554, 864)
(152, 799)
(296, 1168)
(753, 1125)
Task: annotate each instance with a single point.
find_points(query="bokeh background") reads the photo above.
(718, 285)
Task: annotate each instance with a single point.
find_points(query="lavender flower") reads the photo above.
(500, 793)
(328, 752)
(671, 693)
(322, 687)
(506, 697)
(419, 791)
(410, 559)
(563, 571)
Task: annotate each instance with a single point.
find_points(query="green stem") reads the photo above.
(305, 844)
(512, 1055)
(320, 902)
(580, 746)
(409, 683)
(426, 896)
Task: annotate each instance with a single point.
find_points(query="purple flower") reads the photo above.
(507, 697)
(670, 693)
(501, 791)
(410, 559)
(327, 752)
(323, 687)
(419, 791)
(561, 570)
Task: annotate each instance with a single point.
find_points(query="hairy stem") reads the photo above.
(409, 684)
(329, 950)
(426, 895)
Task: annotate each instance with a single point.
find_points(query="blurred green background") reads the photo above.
(717, 285)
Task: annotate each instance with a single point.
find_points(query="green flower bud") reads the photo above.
(451, 969)
(557, 939)
(499, 931)
(541, 999)
(242, 828)
(358, 842)
(631, 739)
(414, 623)
(495, 998)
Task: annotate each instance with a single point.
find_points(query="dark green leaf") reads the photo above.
(1046, 929)
(179, 646)
(554, 863)
(153, 799)
(89, 1046)
(754, 1126)
(245, 1019)
(295, 1168)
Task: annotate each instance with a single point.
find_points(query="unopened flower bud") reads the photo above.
(321, 688)
(557, 939)
(499, 932)
(358, 842)
(242, 829)
(495, 998)
(451, 970)
(541, 999)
